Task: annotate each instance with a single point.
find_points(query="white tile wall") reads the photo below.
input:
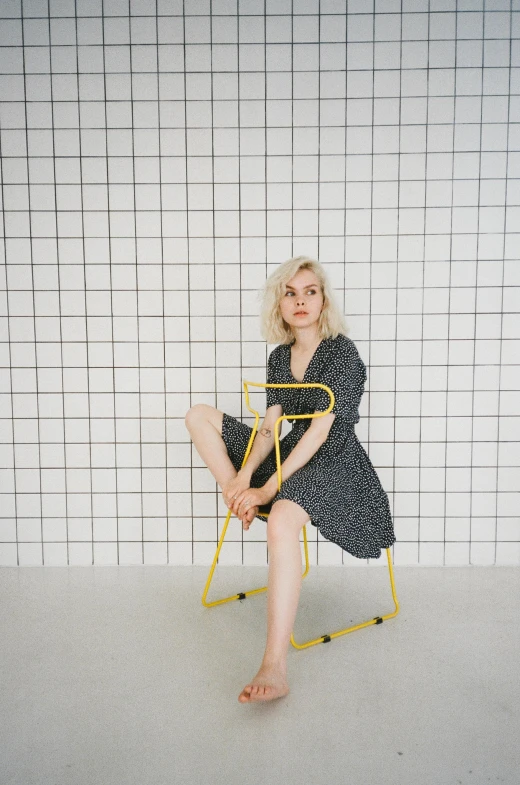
(159, 159)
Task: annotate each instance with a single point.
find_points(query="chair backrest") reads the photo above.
(282, 417)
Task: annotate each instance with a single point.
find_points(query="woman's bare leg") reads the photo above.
(204, 424)
(283, 591)
(285, 521)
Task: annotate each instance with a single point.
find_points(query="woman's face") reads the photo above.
(302, 302)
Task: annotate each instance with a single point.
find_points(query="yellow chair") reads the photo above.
(243, 595)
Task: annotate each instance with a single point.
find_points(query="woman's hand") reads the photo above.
(234, 488)
(251, 497)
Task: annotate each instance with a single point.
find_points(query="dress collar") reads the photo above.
(317, 361)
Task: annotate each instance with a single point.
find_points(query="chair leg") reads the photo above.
(376, 620)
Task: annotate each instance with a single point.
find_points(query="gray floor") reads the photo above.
(120, 676)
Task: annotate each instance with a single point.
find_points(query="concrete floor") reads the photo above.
(118, 675)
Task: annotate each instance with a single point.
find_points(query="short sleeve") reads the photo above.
(345, 374)
(273, 394)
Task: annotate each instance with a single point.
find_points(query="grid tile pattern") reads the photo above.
(159, 158)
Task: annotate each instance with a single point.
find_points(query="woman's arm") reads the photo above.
(263, 443)
(301, 454)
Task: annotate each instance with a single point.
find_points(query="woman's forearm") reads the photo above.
(262, 446)
(301, 454)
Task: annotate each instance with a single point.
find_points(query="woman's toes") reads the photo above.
(263, 692)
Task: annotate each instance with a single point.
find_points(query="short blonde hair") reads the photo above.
(273, 327)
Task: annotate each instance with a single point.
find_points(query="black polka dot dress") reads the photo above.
(338, 487)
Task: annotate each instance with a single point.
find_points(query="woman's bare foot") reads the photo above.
(268, 684)
(249, 517)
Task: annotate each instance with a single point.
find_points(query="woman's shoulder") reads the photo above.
(275, 354)
(346, 349)
(343, 344)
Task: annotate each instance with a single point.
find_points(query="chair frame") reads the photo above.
(243, 595)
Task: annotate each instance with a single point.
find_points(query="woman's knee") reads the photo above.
(194, 414)
(203, 411)
(286, 518)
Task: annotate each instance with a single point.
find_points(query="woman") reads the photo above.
(327, 477)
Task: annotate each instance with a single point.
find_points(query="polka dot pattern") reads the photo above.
(338, 487)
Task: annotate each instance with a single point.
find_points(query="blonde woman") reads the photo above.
(327, 477)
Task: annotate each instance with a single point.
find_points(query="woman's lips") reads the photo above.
(301, 313)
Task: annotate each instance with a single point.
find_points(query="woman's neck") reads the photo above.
(306, 342)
